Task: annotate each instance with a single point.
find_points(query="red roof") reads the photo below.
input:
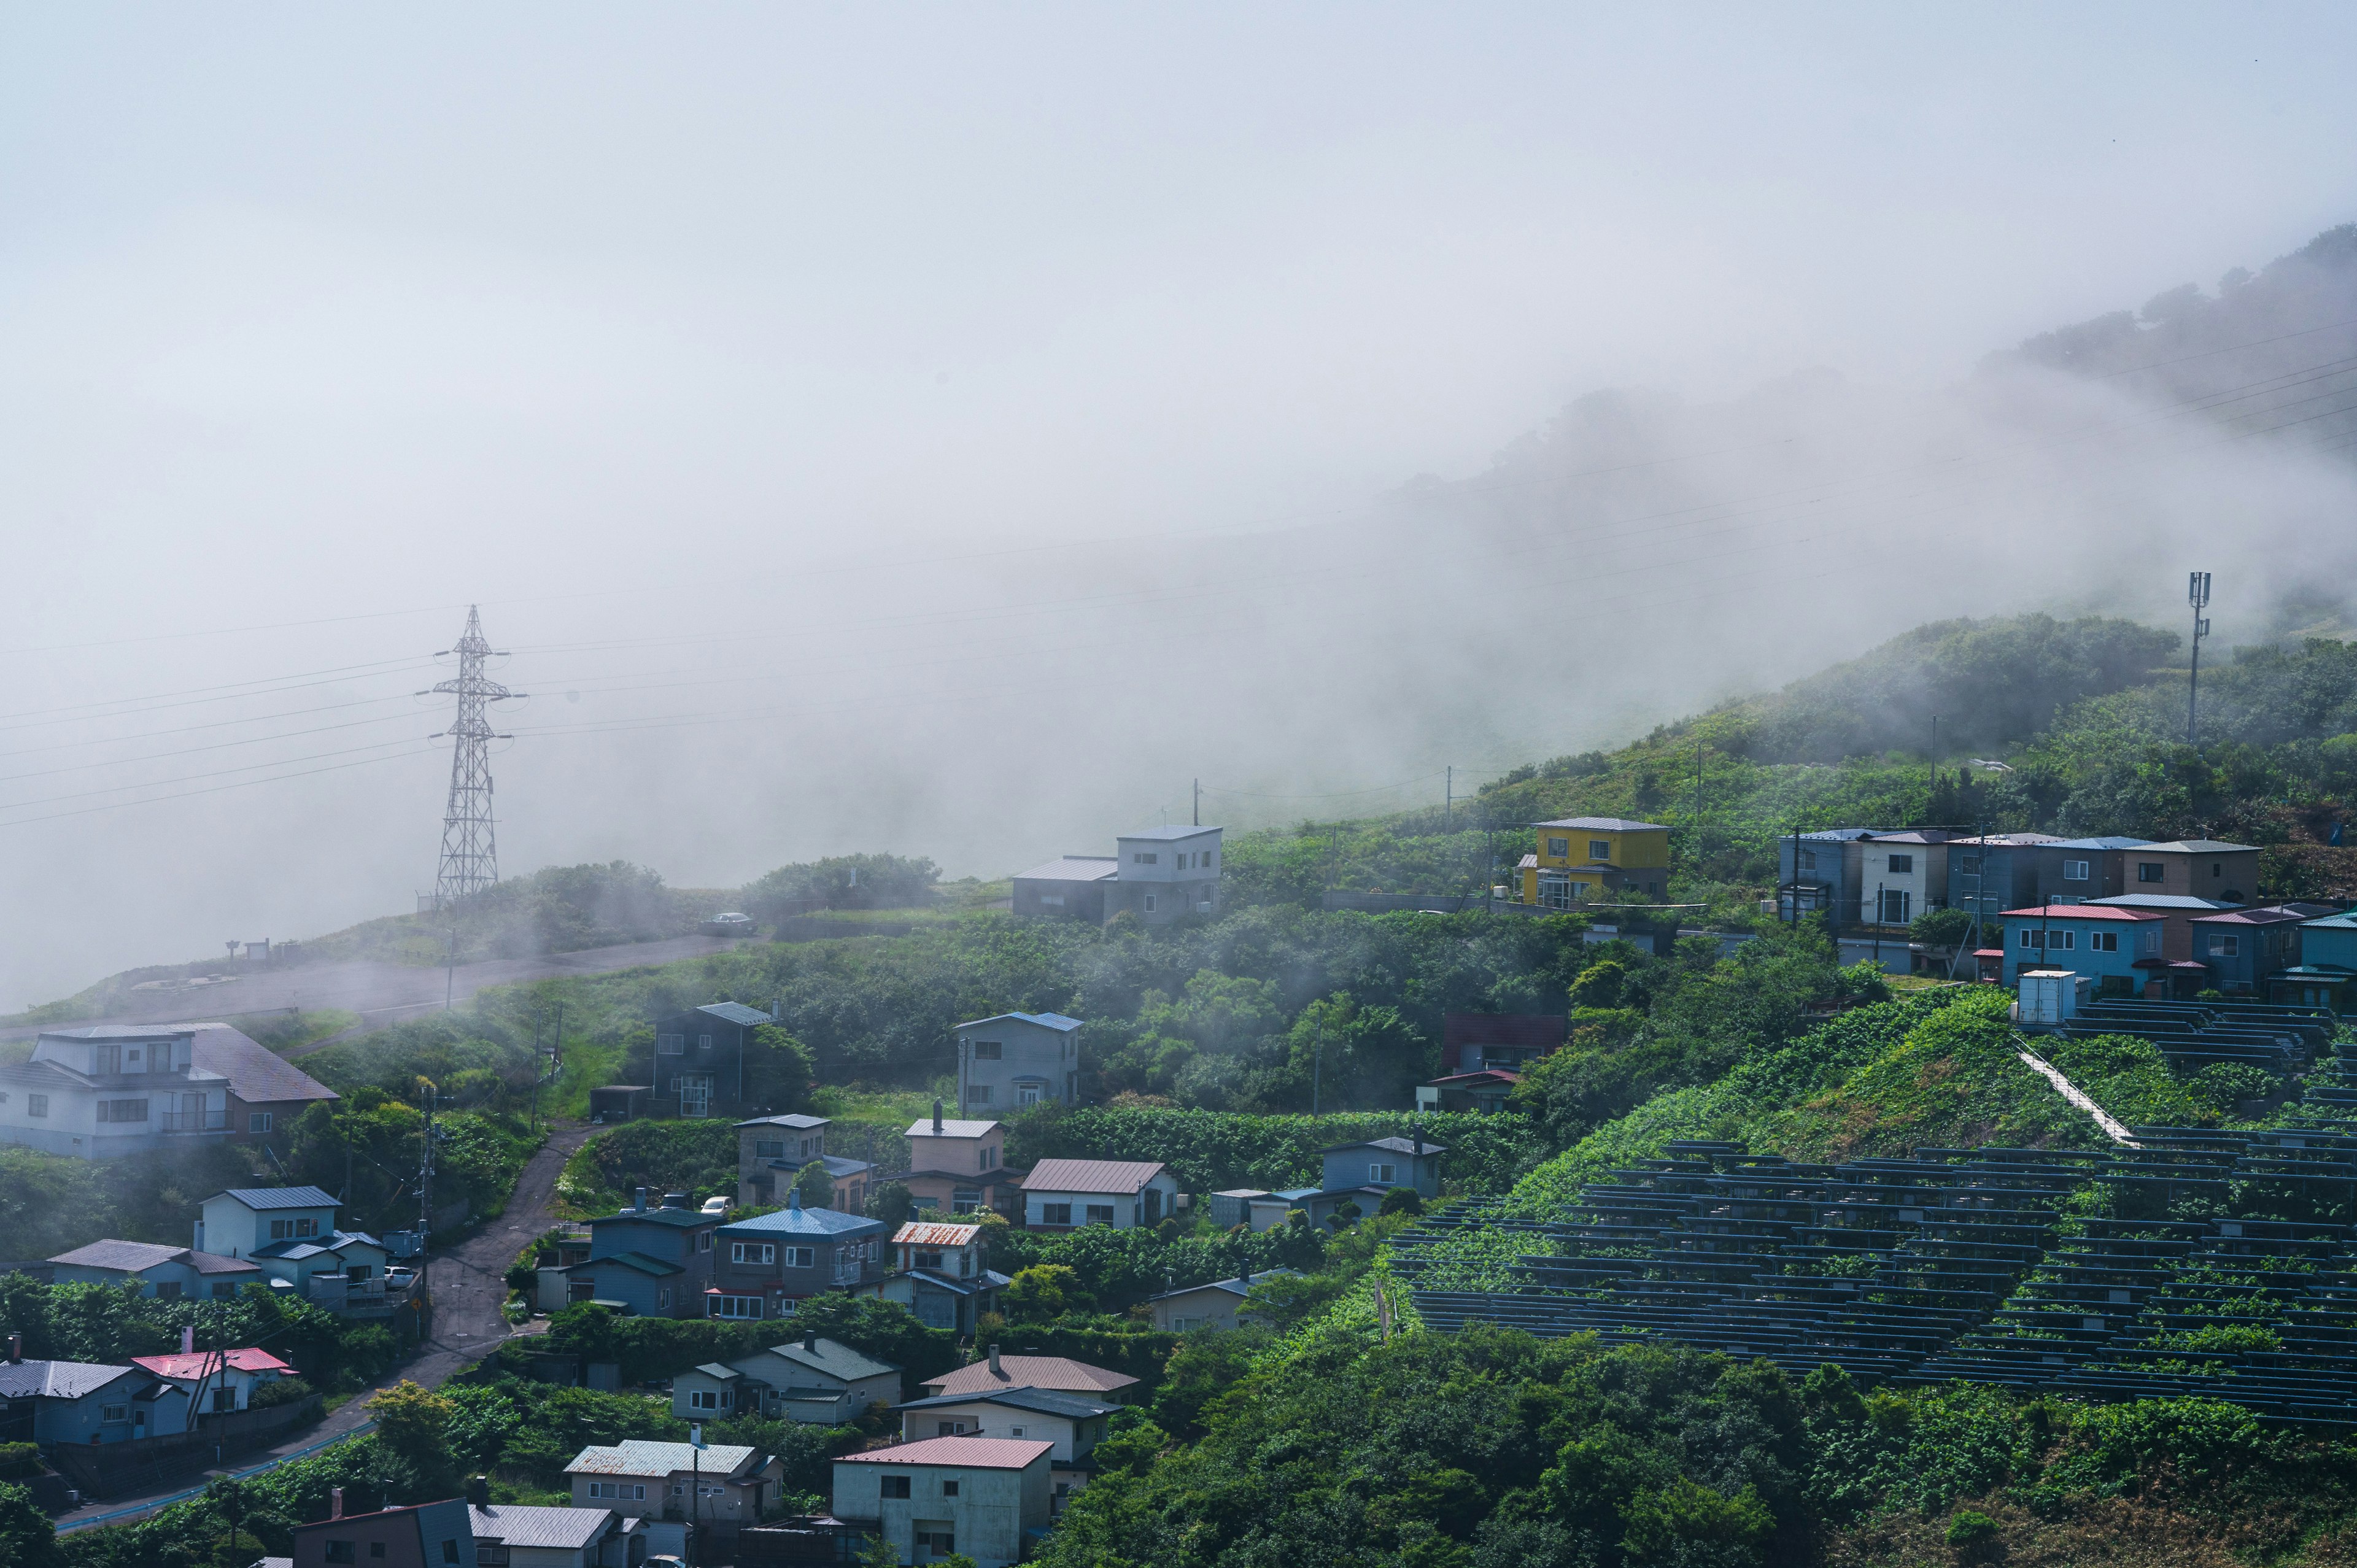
(1124, 1177)
(187, 1368)
(2079, 912)
(933, 1234)
(1466, 1080)
(966, 1452)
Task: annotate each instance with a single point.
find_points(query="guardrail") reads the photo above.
(158, 1505)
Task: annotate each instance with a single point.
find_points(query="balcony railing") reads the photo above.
(195, 1121)
(374, 1294)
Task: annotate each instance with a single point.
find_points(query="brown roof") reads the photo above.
(966, 1452)
(1055, 1372)
(1121, 1176)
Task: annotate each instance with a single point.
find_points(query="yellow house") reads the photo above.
(1580, 857)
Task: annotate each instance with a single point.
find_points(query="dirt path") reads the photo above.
(468, 1283)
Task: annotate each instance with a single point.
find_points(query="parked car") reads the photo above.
(729, 925)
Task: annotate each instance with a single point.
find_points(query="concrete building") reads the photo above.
(956, 1167)
(815, 1380)
(765, 1264)
(774, 1152)
(1015, 1059)
(983, 1497)
(1073, 1424)
(649, 1260)
(1064, 1195)
(169, 1273)
(1581, 858)
(428, 1535)
(1156, 875)
(514, 1535)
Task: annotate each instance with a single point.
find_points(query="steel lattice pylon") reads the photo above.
(471, 854)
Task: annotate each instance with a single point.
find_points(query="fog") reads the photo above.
(958, 430)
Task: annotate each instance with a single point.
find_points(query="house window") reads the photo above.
(2074, 870)
(802, 1257)
(965, 1200)
(895, 1485)
(989, 1160)
(449, 1551)
(1025, 1094)
(769, 1149)
(1099, 1213)
(257, 1121)
(662, 1298)
(1600, 849)
(670, 1045)
(949, 1428)
(2029, 939)
(1891, 907)
(710, 1399)
(2063, 940)
(1559, 849)
(989, 1050)
(619, 1491)
(1808, 860)
(1149, 903)
(703, 1042)
(941, 1542)
(1055, 1214)
(1902, 863)
(1381, 1174)
(37, 1105)
(949, 1488)
(2104, 942)
(225, 1398)
(2225, 947)
(1144, 859)
(1018, 1431)
(752, 1252)
(122, 1110)
(2150, 871)
(287, 1230)
(341, 1551)
(979, 1094)
(704, 1242)
(927, 1260)
(114, 1412)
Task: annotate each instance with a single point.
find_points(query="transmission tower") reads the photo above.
(470, 855)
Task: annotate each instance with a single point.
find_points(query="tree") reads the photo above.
(890, 1201)
(777, 1071)
(816, 1186)
(1042, 1293)
(413, 1421)
(27, 1540)
(1940, 927)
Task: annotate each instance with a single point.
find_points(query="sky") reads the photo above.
(958, 430)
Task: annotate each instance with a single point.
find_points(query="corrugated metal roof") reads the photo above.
(933, 1233)
(1055, 1021)
(1393, 1146)
(803, 1222)
(2080, 912)
(1048, 1402)
(2113, 841)
(950, 1127)
(214, 1263)
(638, 1262)
(567, 1530)
(57, 1380)
(1032, 1372)
(188, 1368)
(260, 1197)
(636, 1456)
(2265, 917)
(737, 1013)
(655, 1214)
(1238, 1287)
(797, 1123)
(1604, 825)
(2160, 901)
(964, 1453)
(1073, 868)
(2203, 846)
(257, 1074)
(834, 1358)
(1119, 1177)
(1166, 834)
(128, 1257)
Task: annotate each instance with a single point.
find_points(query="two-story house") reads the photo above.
(1064, 1195)
(773, 1153)
(290, 1234)
(112, 1090)
(941, 1273)
(2203, 868)
(986, 1498)
(1071, 1425)
(171, 1273)
(2246, 947)
(422, 1535)
(814, 1379)
(1016, 1059)
(956, 1167)
(1580, 858)
(765, 1264)
(1899, 876)
(718, 1489)
(651, 1261)
(699, 1060)
(2326, 974)
(1156, 876)
(1362, 1174)
(2119, 949)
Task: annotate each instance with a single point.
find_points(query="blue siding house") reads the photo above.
(650, 1261)
(2246, 948)
(2326, 974)
(2120, 948)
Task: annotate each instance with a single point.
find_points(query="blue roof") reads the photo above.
(2113, 843)
(2163, 901)
(279, 1197)
(1045, 1020)
(795, 1221)
(2344, 921)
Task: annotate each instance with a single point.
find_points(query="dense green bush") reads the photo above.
(1211, 1151)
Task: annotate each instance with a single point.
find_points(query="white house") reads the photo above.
(1064, 1195)
(220, 1381)
(289, 1232)
(1071, 1425)
(101, 1093)
(1015, 1059)
(979, 1495)
(721, 1486)
(1165, 873)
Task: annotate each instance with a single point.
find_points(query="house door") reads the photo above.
(933, 1539)
(695, 1094)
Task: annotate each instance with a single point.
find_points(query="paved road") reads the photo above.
(384, 994)
(468, 1283)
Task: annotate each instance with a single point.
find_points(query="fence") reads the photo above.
(108, 1469)
(142, 1509)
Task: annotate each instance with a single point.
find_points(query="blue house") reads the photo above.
(763, 1265)
(648, 1261)
(1988, 877)
(77, 1402)
(1819, 872)
(1362, 1174)
(2120, 948)
(2246, 948)
(2326, 974)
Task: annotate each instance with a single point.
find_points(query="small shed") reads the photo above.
(619, 1101)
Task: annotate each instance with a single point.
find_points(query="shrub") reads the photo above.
(1971, 1532)
(278, 1391)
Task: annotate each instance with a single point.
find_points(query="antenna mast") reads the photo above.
(471, 857)
(2197, 594)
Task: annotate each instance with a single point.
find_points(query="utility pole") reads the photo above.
(695, 1489)
(1697, 844)
(1318, 1063)
(471, 859)
(1448, 800)
(426, 1194)
(2197, 594)
(1199, 803)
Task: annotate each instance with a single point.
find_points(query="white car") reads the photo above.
(730, 925)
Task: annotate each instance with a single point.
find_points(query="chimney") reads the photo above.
(642, 1200)
(993, 1363)
(200, 1236)
(794, 1199)
(479, 1491)
(810, 1340)
(15, 1348)
(187, 1339)
(777, 1009)
(937, 1117)
(335, 1502)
